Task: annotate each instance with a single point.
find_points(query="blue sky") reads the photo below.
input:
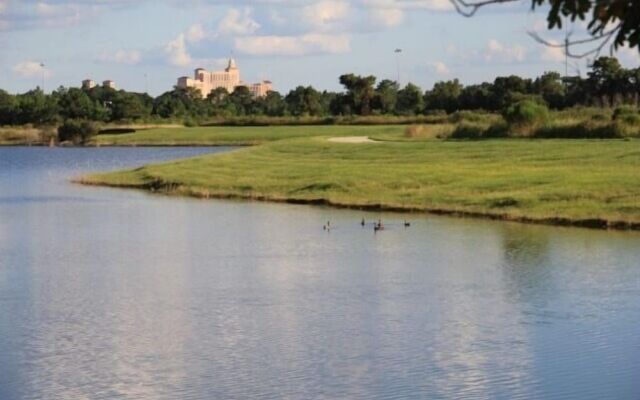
(148, 44)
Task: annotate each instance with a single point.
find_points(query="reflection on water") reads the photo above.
(119, 294)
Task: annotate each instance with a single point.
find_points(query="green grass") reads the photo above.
(212, 136)
(584, 182)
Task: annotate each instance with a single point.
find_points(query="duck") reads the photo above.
(407, 224)
(363, 222)
(378, 226)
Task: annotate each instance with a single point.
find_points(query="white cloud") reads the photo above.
(195, 33)
(31, 69)
(130, 57)
(177, 52)
(61, 15)
(387, 17)
(439, 68)
(325, 13)
(554, 54)
(293, 45)
(496, 51)
(238, 22)
(628, 55)
(434, 5)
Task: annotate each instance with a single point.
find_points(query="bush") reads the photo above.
(473, 116)
(77, 131)
(469, 130)
(431, 131)
(525, 116)
(584, 130)
(627, 115)
(191, 123)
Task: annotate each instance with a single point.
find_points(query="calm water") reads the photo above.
(117, 294)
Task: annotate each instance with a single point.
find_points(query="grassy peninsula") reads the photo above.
(239, 136)
(592, 183)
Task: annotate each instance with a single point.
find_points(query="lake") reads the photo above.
(121, 294)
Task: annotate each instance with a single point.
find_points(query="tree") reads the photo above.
(129, 106)
(444, 96)
(386, 97)
(550, 87)
(243, 100)
(605, 80)
(75, 103)
(505, 88)
(410, 101)
(37, 108)
(273, 104)
(615, 22)
(304, 101)
(476, 97)
(359, 91)
(8, 108)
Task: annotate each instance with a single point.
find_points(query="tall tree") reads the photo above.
(360, 91)
(8, 108)
(410, 100)
(386, 96)
(444, 96)
(550, 87)
(304, 101)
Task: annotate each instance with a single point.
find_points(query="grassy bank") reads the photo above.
(588, 182)
(213, 136)
(25, 135)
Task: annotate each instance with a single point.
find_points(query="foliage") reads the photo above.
(607, 85)
(77, 131)
(526, 115)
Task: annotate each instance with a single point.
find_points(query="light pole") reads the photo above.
(397, 52)
(43, 75)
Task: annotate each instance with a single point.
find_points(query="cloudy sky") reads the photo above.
(148, 44)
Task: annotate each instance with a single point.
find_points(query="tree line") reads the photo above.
(607, 84)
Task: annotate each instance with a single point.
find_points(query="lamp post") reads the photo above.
(43, 75)
(397, 52)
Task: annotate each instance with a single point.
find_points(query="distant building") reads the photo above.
(229, 79)
(109, 84)
(88, 84)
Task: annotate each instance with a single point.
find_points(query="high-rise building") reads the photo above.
(229, 79)
(88, 84)
(109, 84)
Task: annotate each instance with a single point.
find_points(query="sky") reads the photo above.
(146, 45)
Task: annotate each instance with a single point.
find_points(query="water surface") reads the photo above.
(120, 294)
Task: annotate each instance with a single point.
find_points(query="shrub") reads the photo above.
(584, 130)
(77, 131)
(473, 116)
(525, 116)
(469, 130)
(431, 131)
(191, 123)
(627, 115)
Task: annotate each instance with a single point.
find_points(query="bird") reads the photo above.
(407, 224)
(378, 226)
(363, 222)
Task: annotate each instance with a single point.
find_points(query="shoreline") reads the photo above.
(170, 189)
